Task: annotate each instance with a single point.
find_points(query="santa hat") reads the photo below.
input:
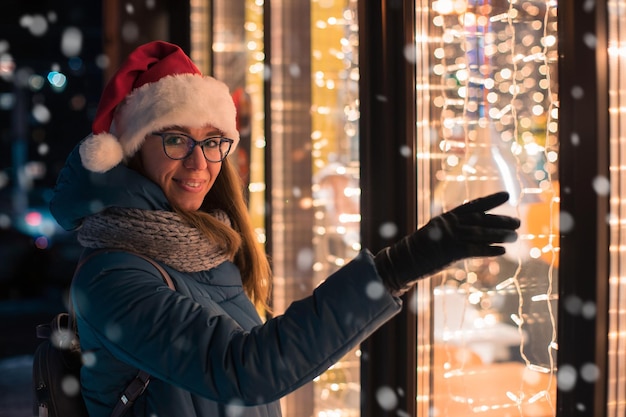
(158, 86)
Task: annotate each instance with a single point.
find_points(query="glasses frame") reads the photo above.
(195, 143)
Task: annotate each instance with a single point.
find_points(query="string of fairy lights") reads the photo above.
(334, 136)
(256, 75)
(336, 189)
(494, 107)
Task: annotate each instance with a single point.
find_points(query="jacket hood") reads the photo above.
(80, 193)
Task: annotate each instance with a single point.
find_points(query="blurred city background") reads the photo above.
(49, 86)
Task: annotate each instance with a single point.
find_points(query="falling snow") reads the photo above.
(58, 77)
(386, 398)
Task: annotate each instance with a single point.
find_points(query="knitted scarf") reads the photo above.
(161, 235)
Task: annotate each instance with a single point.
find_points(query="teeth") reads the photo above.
(192, 184)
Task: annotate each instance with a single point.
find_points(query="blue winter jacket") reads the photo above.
(204, 344)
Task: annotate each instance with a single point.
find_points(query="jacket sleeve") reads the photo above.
(130, 311)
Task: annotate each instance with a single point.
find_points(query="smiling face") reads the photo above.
(184, 182)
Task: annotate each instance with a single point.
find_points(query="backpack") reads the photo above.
(58, 359)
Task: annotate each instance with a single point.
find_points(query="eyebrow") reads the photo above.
(215, 132)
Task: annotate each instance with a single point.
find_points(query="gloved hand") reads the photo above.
(463, 232)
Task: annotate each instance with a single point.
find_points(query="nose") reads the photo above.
(196, 160)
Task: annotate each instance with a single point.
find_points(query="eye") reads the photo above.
(212, 143)
(174, 139)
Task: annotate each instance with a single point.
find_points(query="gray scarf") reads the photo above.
(161, 235)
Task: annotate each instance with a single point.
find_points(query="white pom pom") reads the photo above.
(101, 152)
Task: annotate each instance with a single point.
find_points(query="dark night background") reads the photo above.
(39, 125)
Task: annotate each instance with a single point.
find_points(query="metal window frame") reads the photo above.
(388, 195)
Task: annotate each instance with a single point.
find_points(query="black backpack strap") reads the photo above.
(138, 385)
(131, 393)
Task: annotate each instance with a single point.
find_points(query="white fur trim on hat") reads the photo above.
(101, 152)
(186, 100)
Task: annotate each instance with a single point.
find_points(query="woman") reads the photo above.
(154, 178)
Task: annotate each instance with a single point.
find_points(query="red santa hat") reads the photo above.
(158, 86)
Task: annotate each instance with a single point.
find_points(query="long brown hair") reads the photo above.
(240, 240)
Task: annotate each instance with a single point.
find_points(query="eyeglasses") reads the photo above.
(179, 146)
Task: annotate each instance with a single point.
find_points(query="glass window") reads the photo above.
(488, 121)
(303, 157)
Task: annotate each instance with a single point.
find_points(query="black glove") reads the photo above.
(463, 232)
